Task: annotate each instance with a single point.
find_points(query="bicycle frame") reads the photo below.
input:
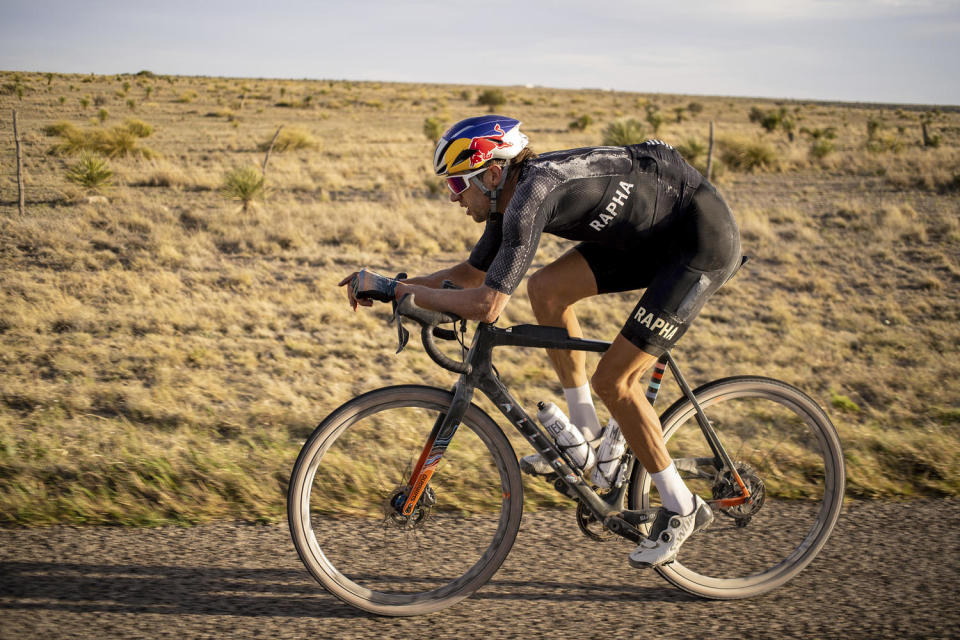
(570, 479)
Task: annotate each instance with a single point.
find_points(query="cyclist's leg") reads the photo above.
(707, 252)
(552, 291)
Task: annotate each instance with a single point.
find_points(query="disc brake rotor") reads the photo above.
(726, 487)
(393, 505)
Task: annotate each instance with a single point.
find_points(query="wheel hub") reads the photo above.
(393, 506)
(726, 487)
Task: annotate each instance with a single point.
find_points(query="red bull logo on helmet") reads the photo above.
(484, 146)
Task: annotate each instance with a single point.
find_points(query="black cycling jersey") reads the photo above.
(614, 196)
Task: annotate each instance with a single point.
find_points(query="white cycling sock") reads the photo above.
(582, 412)
(674, 493)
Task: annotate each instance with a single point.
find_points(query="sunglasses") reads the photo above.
(459, 184)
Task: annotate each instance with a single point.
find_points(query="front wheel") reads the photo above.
(349, 482)
(787, 452)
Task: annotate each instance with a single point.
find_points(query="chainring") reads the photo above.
(591, 527)
(726, 487)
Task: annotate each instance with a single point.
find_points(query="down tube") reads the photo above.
(499, 395)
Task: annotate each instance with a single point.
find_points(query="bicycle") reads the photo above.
(382, 525)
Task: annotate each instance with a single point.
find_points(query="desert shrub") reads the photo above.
(244, 184)
(187, 97)
(581, 123)
(91, 172)
(290, 140)
(821, 148)
(62, 99)
(85, 102)
(692, 150)
(746, 155)
(114, 143)
(656, 120)
(102, 115)
(138, 128)
(72, 140)
(492, 98)
(99, 101)
(131, 104)
(821, 141)
(880, 139)
(679, 112)
(623, 132)
(433, 128)
(694, 108)
(59, 128)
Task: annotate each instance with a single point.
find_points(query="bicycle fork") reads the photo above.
(443, 429)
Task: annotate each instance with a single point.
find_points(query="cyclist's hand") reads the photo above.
(348, 281)
(402, 289)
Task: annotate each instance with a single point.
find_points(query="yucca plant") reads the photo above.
(91, 172)
(623, 132)
(244, 184)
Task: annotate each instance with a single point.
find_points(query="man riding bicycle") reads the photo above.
(644, 219)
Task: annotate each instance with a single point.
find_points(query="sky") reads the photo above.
(894, 51)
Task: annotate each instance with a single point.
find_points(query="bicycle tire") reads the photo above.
(336, 520)
(784, 535)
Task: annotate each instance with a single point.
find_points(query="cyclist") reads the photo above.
(644, 219)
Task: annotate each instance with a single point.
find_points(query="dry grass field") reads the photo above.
(166, 349)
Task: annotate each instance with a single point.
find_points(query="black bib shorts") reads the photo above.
(679, 273)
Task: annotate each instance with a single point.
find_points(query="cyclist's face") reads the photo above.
(473, 200)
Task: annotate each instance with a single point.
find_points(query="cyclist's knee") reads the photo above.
(546, 294)
(610, 383)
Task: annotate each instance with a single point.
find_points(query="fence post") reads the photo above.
(16, 138)
(710, 154)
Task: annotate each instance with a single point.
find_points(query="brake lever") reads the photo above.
(403, 336)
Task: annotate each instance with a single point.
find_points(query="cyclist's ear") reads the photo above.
(491, 177)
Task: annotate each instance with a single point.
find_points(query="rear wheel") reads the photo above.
(786, 451)
(349, 483)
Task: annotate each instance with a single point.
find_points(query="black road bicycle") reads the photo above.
(408, 498)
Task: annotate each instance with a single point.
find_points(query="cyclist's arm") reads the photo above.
(478, 303)
(463, 274)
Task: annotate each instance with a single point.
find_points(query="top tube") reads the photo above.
(532, 335)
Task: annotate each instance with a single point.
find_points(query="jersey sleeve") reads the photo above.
(489, 243)
(523, 223)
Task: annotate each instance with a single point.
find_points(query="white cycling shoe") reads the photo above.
(667, 533)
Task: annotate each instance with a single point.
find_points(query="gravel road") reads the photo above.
(891, 570)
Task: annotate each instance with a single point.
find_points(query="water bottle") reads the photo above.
(609, 472)
(567, 435)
